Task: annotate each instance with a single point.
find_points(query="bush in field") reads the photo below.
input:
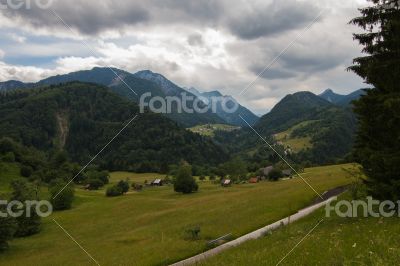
(103, 176)
(8, 227)
(193, 233)
(124, 186)
(114, 191)
(9, 157)
(275, 174)
(184, 181)
(62, 196)
(23, 191)
(26, 171)
(212, 177)
(202, 178)
(95, 184)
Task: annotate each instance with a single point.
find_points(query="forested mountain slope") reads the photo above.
(81, 118)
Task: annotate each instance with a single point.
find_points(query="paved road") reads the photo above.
(253, 235)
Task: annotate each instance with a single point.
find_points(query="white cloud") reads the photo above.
(1, 53)
(17, 38)
(203, 44)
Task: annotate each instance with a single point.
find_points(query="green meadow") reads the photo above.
(148, 227)
(210, 129)
(295, 143)
(335, 241)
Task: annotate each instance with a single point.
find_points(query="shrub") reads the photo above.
(202, 178)
(193, 233)
(6, 145)
(184, 181)
(114, 191)
(9, 157)
(124, 186)
(212, 177)
(26, 171)
(275, 174)
(8, 227)
(103, 176)
(23, 191)
(62, 196)
(95, 184)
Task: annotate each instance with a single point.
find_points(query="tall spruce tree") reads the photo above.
(378, 139)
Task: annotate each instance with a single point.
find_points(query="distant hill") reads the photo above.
(229, 118)
(342, 100)
(291, 110)
(140, 83)
(12, 85)
(81, 118)
(324, 130)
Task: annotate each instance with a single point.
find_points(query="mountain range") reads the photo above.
(133, 86)
(325, 120)
(342, 100)
(220, 101)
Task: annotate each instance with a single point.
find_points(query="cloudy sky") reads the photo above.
(206, 44)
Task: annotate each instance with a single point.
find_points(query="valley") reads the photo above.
(148, 227)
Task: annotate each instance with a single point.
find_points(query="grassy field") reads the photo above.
(147, 228)
(335, 241)
(209, 129)
(296, 144)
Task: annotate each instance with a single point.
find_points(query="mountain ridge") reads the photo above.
(81, 117)
(341, 99)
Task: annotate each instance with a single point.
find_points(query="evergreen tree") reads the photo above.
(377, 146)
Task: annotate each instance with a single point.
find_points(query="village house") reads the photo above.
(157, 182)
(254, 180)
(226, 182)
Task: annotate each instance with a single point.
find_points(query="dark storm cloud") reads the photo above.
(277, 17)
(88, 17)
(312, 62)
(273, 73)
(247, 20)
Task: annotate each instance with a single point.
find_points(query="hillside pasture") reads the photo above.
(295, 143)
(149, 227)
(335, 241)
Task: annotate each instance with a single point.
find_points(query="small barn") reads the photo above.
(254, 180)
(137, 187)
(226, 182)
(287, 172)
(267, 170)
(157, 182)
